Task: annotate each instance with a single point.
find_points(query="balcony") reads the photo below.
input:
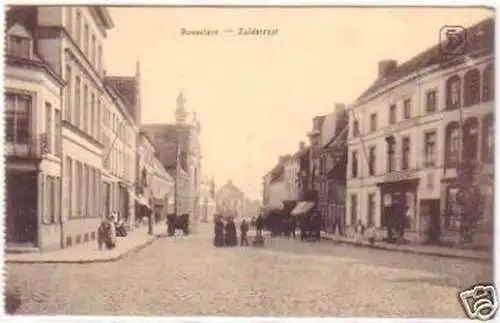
(402, 175)
(33, 148)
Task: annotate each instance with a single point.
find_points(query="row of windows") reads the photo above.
(475, 88)
(118, 162)
(112, 121)
(470, 146)
(83, 184)
(83, 103)
(88, 42)
(473, 93)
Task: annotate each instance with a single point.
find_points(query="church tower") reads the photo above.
(180, 111)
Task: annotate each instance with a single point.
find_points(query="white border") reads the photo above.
(364, 3)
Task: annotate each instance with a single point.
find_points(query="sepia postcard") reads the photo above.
(249, 161)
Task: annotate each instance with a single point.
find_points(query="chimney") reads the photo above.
(386, 67)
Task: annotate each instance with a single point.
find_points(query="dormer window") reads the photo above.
(19, 46)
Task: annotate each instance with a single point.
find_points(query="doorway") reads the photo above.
(22, 208)
(430, 210)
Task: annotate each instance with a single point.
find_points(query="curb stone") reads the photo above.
(125, 253)
(405, 250)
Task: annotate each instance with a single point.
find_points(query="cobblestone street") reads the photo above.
(188, 276)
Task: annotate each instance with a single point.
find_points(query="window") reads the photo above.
(371, 210)
(86, 43)
(488, 84)
(69, 19)
(85, 190)
(17, 118)
(430, 148)
(470, 139)
(69, 187)
(98, 121)
(373, 122)
(354, 209)
(93, 51)
(430, 102)
(57, 132)
(451, 209)
(471, 88)
(48, 127)
(78, 189)
(453, 91)
(390, 156)
(85, 111)
(354, 164)
(78, 102)
(452, 144)
(79, 28)
(67, 111)
(392, 114)
(355, 128)
(50, 205)
(372, 160)
(92, 116)
(99, 58)
(405, 153)
(407, 109)
(19, 46)
(488, 138)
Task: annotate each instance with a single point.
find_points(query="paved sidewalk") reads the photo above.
(449, 252)
(89, 252)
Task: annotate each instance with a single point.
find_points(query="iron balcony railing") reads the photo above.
(34, 147)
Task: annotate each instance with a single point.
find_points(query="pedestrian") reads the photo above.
(231, 238)
(243, 233)
(218, 232)
(106, 233)
(359, 231)
(293, 225)
(259, 225)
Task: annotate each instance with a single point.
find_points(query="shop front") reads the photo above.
(405, 191)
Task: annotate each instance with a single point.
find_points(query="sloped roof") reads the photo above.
(478, 36)
(125, 86)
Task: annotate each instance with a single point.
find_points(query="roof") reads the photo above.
(125, 86)
(435, 55)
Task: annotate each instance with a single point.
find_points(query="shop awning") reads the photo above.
(302, 208)
(142, 200)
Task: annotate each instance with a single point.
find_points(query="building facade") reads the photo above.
(179, 150)
(207, 203)
(229, 200)
(404, 138)
(332, 170)
(32, 148)
(291, 179)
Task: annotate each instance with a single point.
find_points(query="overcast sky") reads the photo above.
(256, 95)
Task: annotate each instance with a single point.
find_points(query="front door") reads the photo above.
(21, 208)
(431, 210)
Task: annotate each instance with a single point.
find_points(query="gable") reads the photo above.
(19, 31)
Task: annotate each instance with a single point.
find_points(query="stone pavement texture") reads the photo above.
(419, 249)
(89, 251)
(189, 276)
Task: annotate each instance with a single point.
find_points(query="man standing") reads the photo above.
(243, 233)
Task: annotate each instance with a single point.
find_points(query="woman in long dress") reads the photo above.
(218, 232)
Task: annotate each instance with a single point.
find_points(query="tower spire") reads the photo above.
(180, 112)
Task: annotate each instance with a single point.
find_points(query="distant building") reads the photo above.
(229, 200)
(179, 145)
(332, 168)
(207, 202)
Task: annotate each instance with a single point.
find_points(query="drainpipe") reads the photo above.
(61, 172)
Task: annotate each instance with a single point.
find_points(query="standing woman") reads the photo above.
(218, 232)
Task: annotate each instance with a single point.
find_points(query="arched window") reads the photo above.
(488, 138)
(470, 138)
(471, 88)
(453, 85)
(488, 84)
(452, 144)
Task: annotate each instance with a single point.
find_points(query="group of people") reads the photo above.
(110, 228)
(226, 235)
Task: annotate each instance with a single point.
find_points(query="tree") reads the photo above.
(468, 198)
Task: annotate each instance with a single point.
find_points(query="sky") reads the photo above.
(256, 95)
